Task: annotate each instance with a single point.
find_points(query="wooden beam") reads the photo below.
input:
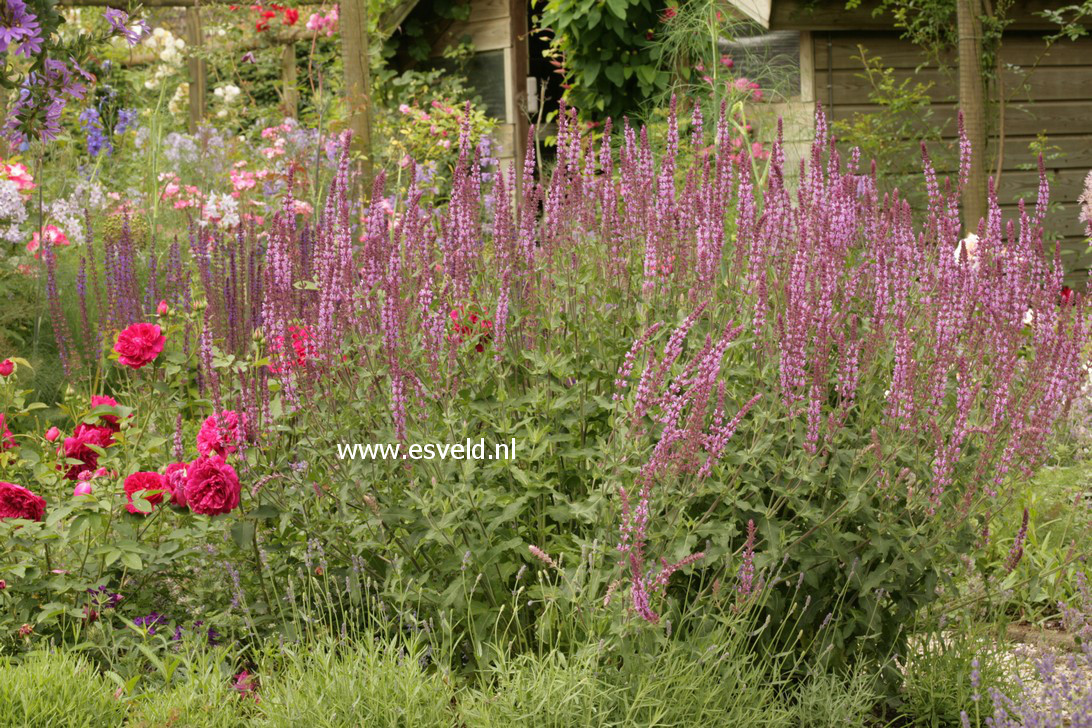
(388, 22)
(197, 71)
(124, 5)
(356, 64)
(518, 90)
(265, 40)
(290, 95)
(832, 15)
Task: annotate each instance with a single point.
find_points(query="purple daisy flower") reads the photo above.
(19, 26)
(118, 19)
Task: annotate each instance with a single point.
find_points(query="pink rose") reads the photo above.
(52, 434)
(212, 487)
(76, 448)
(139, 344)
(6, 368)
(144, 483)
(162, 308)
(175, 478)
(82, 488)
(220, 435)
(18, 502)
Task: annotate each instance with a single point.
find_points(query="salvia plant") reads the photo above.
(724, 394)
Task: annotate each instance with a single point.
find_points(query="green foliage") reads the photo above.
(608, 53)
(930, 24)
(1070, 20)
(56, 690)
(891, 135)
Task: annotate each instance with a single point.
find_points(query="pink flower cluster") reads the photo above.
(303, 347)
(52, 234)
(183, 196)
(19, 174)
(324, 23)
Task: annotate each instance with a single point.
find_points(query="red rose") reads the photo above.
(76, 447)
(147, 482)
(174, 476)
(18, 502)
(6, 368)
(212, 487)
(219, 435)
(139, 344)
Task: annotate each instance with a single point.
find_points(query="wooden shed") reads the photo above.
(499, 71)
(1047, 91)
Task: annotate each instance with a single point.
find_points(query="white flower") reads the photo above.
(180, 99)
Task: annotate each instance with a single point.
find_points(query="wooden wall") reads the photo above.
(499, 25)
(1046, 91)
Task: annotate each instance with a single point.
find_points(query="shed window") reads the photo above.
(772, 58)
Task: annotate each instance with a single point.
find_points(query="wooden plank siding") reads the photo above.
(495, 25)
(832, 15)
(1047, 91)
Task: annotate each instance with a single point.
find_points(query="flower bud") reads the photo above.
(82, 488)
(52, 434)
(6, 368)
(162, 308)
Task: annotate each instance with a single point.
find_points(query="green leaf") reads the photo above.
(618, 7)
(591, 72)
(243, 533)
(615, 73)
(266, 511)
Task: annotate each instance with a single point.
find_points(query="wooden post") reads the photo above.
(197, 71)
(517, 14)
(290, 95)
(358, 82)
(972, 101)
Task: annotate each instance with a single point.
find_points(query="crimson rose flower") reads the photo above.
(144, 481)
(6, 368)
(139, 344)
(212, 487)
(219, 435)
(18, 502)
(174, 476)
(76, 447)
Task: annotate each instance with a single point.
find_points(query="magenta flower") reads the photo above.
(139, 345)
(212, 487)
(18, 502)
(219, 435)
